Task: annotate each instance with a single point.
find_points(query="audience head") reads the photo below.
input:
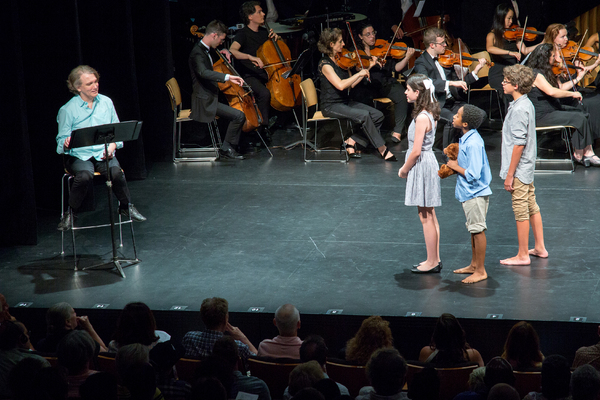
(585, 383)
(165, 355)
(556, 377)
(502, 391)
(227, 349)
(130, 355)
(75, 351)
(425, 385)
(386, 371)
(305, 375)
(99, 386)
(520, 76)
(314, 348)
(4, 314)
(308, 393)
(449, 338)
(30, 379)
(522, 346)
(328, 388)
(60, 317)
(498, 370)
(287, 320)
(215, 313)
(218, 368)
(328, 37)
(13, 335)
(476, 380)
(208, 388)
(136, 324)
(374, 333)
(140, 380)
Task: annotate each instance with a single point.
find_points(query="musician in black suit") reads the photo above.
(205, 104)
(448, 88)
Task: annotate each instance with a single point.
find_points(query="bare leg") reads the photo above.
(522, 257)
(382, 150)
(396, 135)
(478, 263)
(469, 269)
(538, 235)
(431, 234)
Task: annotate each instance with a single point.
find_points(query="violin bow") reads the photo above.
(230, 67)
(523, 36)
(462, 71)
(579, 47)
(392, 40)
(356, 48)
(568, 73)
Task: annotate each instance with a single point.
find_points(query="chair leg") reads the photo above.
(265, 143)
(211, 131)
(499, 106)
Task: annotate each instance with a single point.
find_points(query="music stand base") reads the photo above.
(115, 263)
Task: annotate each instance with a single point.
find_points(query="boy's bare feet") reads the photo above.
(538, 253)
(516, 261)
(475, 277)
(469, 269)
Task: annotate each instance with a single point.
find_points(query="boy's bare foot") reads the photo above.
(469, 269)
(538, 253)
(516, 261)
(475, 277)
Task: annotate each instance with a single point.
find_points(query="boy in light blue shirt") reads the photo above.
(472, 186)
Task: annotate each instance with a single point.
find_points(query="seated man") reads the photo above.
(386, 371)
(89, 108)
(287, 343)
(215, 316)
(588, 355)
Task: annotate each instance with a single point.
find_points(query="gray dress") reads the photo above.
(423, 182)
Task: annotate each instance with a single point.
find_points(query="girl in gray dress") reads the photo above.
(420, 167)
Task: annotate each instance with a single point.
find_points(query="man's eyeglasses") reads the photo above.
(505, 82)
(369, 34)
(444, 43)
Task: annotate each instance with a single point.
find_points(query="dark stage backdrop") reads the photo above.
(127, 41)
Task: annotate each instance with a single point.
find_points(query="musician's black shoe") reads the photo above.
(230, 153)
(65, 221)
(135, 214)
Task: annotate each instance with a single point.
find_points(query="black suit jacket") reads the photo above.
(205, 95)
(426, 65)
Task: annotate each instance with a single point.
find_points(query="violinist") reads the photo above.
(545, 95)
(335, 101)
(205, 104)
(448, 88)
(244, 47)
(502, 51)
(383, 84)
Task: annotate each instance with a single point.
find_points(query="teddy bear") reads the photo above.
(452, 152)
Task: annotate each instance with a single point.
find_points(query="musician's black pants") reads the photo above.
(262, 96)
(236, 120)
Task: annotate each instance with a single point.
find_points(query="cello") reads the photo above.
(276, 57)
(238, 97)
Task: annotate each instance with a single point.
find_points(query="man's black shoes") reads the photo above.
(65, 221)
(132, 213)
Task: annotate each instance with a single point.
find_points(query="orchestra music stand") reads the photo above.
(301, 62)
(105, 134)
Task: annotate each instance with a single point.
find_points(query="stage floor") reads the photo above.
(267, 231)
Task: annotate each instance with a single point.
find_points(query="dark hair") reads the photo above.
(423, 102)
(314, 348)
(498, 370)
(165, 355)
(425, 385)
(208, 388)
(23, 379)
(140, 380)
(327, 37)
(226, 348)
(585, 383)
(75, 351)
(498, 23)
(328, 388)
(473, 116)
(540, 60)
(247, 9)
(308, 393)
(99, 386)
(217, 367)
(359, 31)
(386, 371)
(449, 339)
(136, 324)
(556, 377)
(523, 346)
(214, 312)
(215, 26)
(10, 335)
(502, 391)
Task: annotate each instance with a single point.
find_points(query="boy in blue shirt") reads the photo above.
(472, 186)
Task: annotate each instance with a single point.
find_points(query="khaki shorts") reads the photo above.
(476, 211)
(523, 200)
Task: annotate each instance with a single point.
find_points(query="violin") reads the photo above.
(573, 51)
(449, 59)
(560, 68)
(516, 32)
(276, 56)
(349, 59)
(396, 50)
(238, 97)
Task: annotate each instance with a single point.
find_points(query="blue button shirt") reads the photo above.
(75, 115)
(472, 157)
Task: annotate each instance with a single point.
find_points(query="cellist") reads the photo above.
(244, 47)
(205, 104)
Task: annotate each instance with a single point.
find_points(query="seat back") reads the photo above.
(354, 377)
(452, 380)
(175, 93)
(529, 381)
(186, 369)
(107, 363)
(275, 374)
(309, 92)
(485, 70)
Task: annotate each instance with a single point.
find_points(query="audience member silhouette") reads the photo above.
(374, 333)
(522, 347)
(136, 324)
(386, 371)
(556, 378)
(287, 343)
(585, 383)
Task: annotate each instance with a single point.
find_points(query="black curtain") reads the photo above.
(127, 41)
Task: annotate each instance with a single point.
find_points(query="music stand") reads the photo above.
(105, 134)
(301, 62)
